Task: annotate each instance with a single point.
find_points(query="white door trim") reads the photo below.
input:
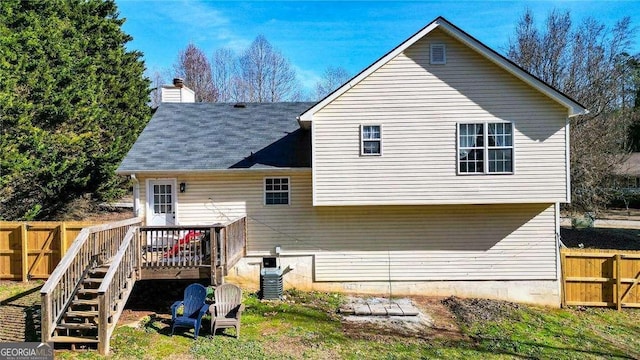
(174, 196)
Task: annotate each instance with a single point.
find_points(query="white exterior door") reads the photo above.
(161, 202)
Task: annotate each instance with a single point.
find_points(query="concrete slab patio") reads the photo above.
(379, 307)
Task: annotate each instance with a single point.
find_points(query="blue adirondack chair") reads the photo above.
(194, 309)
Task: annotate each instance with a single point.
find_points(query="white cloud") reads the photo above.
(308, 78)
(200, 23)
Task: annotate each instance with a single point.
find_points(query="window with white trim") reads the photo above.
(276, 191)
(371, 140)
(485, 148)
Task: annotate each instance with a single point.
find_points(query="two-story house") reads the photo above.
(437, 170)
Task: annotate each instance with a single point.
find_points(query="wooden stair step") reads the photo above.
(85, 302)
(92, 280)
(75, 339)
(88, 291)
(81, 313)
(99, 270)
(76, 326)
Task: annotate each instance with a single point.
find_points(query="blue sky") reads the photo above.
(314, 34)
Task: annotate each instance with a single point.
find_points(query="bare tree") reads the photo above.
(223, 69)
(265, 75)
(193, 66)
(332, 78)
(584, 63)
(524, 49)
(157, 80)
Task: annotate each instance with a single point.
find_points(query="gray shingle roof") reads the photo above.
(209, 136)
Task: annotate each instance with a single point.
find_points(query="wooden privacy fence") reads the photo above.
(31, 250)
(595, 277)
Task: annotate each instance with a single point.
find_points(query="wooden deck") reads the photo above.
(191, 252)
(126, 252)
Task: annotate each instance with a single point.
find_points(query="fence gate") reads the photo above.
(31, 250)
(596, 277)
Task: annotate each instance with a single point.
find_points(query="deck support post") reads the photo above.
(45, 318)
(137, 243)
(221, 271)
(103, 325)
(214, 254)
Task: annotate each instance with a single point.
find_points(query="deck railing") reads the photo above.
(116, 287)
(218, 246)
(235, 242)
(177, 246)
(93, 245)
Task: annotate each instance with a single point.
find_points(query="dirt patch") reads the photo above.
(444, 321)
(470, 311)
(152, 298)
(601, 238)
(406, 326)
(20, 314)
(433, 321)
(85, 208)
(108, 214)
(133, 318)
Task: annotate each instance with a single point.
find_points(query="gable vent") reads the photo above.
(438, 54)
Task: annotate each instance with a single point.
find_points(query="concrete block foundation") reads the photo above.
(539, 292)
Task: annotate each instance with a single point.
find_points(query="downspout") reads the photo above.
(136, 196)
(559, 246)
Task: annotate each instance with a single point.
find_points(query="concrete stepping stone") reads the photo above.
(408, 310)
(378, 309)
(362, 309)
(394, 310)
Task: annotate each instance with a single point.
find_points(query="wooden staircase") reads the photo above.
(79, 323)
(84, 297)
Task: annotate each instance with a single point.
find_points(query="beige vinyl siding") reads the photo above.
(354, 243)
(446, 242)
(419, 106)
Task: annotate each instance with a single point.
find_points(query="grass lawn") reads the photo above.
(9, 289)
(306, 326)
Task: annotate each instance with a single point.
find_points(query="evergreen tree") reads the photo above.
(73, 100)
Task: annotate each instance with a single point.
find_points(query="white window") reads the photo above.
(485, 148)
(438, 54)
(276, 191)
(371, 140)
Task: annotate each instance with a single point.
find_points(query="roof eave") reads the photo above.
(576, 111)
(190, 171)
(304, 123)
